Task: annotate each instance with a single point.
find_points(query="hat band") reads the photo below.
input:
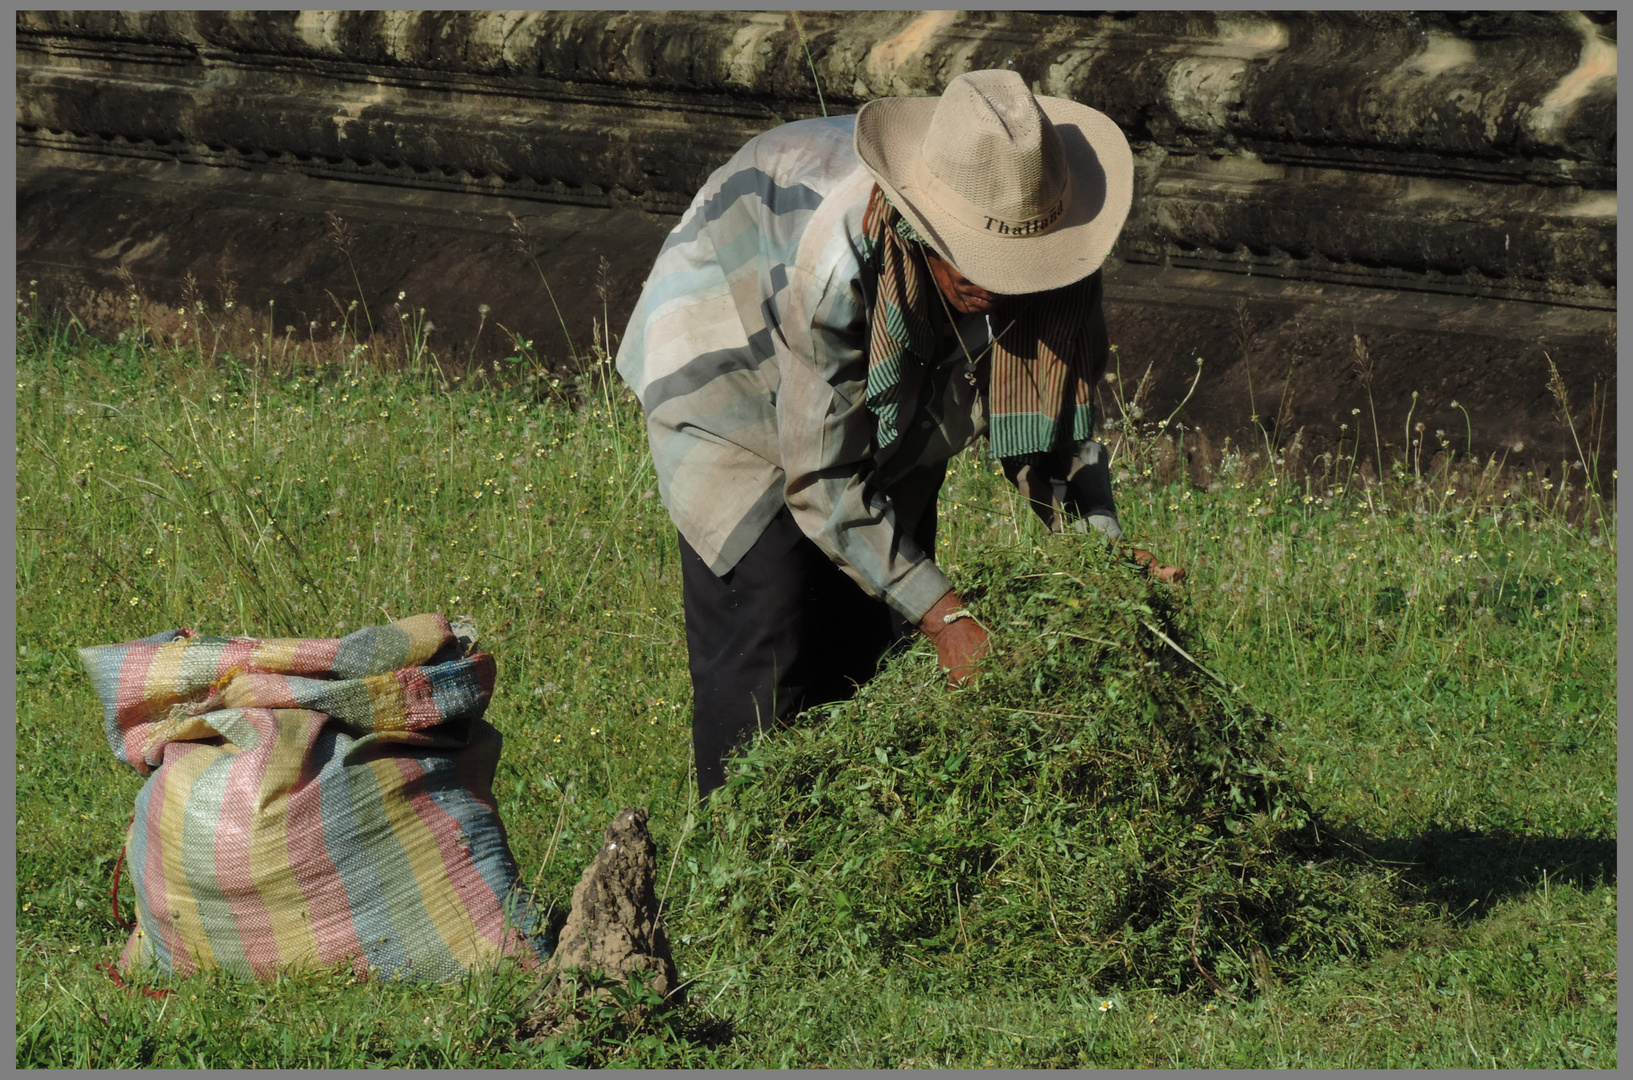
(973, 217)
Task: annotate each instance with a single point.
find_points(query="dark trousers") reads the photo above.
(783, 631)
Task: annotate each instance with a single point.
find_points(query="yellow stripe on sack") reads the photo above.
(442, 902)
(163, 684)
(198, 667)
(425, 637)
(275, 654)
(270, 865)
(179, 778)
(182, 729)
(389, 705)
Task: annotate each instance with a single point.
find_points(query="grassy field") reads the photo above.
(1438, 651)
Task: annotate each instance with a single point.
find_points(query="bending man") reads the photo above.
(847, 304)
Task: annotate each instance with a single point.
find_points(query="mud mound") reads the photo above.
(1098, 808)
(613, 933)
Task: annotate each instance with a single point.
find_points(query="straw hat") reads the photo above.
(1020, 193)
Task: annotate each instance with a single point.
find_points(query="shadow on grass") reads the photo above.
(1470, 872)
(703, 1029)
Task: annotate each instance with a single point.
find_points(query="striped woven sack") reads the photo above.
(314, 802)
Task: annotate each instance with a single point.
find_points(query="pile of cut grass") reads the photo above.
(1099, 806)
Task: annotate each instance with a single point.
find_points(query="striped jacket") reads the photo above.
(748, 352)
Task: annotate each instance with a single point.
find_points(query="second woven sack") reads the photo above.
(314, 802)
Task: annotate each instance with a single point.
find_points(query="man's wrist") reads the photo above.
(936, 619)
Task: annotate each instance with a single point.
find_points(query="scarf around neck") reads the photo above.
(1041, 389)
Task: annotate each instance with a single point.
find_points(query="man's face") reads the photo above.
(963, 295)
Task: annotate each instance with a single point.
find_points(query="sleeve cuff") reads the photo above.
(918, 592)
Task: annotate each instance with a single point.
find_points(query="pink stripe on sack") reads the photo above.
(130, 703)
(480, 903)
(316, 655)
(239, 804)
(235, 654)
(328, 907)
(261, 690)
(419, 703)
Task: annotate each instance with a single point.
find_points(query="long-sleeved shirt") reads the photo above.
(748, 352)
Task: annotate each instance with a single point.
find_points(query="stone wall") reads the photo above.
(1440, 185)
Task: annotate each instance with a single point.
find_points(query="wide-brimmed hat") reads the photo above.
(1020, 193)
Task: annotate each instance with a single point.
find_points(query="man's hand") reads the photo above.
(959, 643)
(1148, 562)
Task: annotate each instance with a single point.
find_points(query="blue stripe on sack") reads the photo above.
(489, 852)
(348, 700)
(236, 726)
(350, 850)
(102, 664)
(398, 897)
(372, 650)
(455, 690)
(200, 820)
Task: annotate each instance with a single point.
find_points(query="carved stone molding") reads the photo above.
(1313, 155)
(1469, 155)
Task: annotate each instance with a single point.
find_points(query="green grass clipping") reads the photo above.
(1098, 806)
